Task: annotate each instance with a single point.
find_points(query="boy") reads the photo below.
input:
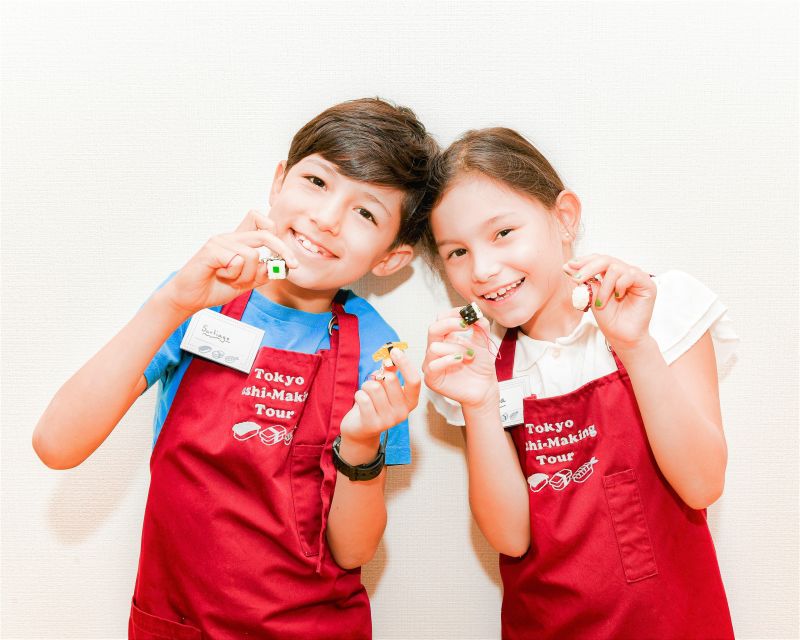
(244, 535)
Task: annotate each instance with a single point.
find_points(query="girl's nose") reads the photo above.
(484, 267)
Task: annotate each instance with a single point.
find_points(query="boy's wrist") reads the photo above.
(357, 451)
(165, 305)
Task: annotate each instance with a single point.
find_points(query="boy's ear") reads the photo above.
(568, 211)
(277, 181)
(394, 260)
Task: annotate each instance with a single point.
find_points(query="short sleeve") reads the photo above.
(449, 409)
(684, 310)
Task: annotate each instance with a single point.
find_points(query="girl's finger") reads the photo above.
(445, 348)
(608, 285)
(443, 327)
(446, 363)
(624, 282)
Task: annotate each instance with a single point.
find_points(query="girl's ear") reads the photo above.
(394, 260)
(277, 181)
(568, 212)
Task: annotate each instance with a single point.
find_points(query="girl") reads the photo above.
(595, 494)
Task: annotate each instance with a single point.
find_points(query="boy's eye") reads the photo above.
(317, 182)
(456, 253)
(503, 233)
(366, 214)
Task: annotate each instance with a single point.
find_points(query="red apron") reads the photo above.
(615, 553)
(233, 542)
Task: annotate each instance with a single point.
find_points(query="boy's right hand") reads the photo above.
(458, 363)
(226, 266)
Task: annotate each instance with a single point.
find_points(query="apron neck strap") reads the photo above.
(235, 308)
(504, 364)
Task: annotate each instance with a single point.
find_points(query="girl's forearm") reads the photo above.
(498, 492)
(687, 442)
(90, 404)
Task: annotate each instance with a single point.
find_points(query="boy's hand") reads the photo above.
(226, 266)
(379, 405)
(623, 303)
(458, 363)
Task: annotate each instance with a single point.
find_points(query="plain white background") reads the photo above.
(133, 131)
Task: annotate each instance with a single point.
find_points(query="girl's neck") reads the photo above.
(556, 318)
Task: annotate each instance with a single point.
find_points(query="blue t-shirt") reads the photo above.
(293, 330)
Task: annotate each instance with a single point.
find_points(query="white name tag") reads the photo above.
(511, 394)
(221, 339)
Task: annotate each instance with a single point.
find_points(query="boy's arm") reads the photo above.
(91, 403)
(357, 517)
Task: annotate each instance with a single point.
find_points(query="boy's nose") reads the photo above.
(328, 217)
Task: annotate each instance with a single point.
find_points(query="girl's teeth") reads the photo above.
(502, 291)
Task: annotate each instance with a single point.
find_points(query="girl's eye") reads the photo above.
(503, 233)
(317, 182)
(456, 253)
(366, 214)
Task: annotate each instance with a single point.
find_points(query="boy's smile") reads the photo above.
(339, 228)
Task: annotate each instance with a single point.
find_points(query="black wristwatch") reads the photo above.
(366, 471)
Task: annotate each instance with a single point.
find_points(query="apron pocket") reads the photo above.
(630, 526)
(306, 482)
(143, 626)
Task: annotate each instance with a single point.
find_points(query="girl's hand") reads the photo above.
(623, 303)
(226, 266)
(458, 363)
(381, 404)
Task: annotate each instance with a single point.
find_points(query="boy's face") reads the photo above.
(339, 228)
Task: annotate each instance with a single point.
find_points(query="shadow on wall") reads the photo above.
(88, 495)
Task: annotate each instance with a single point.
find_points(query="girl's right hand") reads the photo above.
(226, 266)
(458, 363)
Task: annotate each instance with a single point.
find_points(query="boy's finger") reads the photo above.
(255, 220)
(259, 238)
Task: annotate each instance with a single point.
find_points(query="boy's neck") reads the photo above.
(286, 294)
(556, 318)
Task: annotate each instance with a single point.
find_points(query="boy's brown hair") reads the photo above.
(498, 153)
(372, 140)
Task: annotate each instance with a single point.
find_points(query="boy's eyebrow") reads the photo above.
(488, 223)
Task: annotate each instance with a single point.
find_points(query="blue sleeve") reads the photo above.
(374, 332)
(168, 357)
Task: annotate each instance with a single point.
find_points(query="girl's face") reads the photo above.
(500, 247)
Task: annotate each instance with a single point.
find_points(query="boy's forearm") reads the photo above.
(498, 492)
(358, 512)
(688, 445)
(90, 404)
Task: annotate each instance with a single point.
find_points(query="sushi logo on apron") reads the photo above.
(271, 399)
(560, 479)
(557, 435)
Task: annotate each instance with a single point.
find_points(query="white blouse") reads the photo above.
(684, 310)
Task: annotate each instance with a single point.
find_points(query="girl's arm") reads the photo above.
(498, 492)
(679, 403)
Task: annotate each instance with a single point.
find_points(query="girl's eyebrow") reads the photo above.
(491, 222)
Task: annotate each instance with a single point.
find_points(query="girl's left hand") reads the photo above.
(623, 303)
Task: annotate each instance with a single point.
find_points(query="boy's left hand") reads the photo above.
(381, 404)
(623, 303)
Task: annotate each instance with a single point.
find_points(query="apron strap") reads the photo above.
(620, 366)
(235, 308)
(345, 344)
(504, 364)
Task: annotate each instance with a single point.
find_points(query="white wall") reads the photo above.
(132, 132)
